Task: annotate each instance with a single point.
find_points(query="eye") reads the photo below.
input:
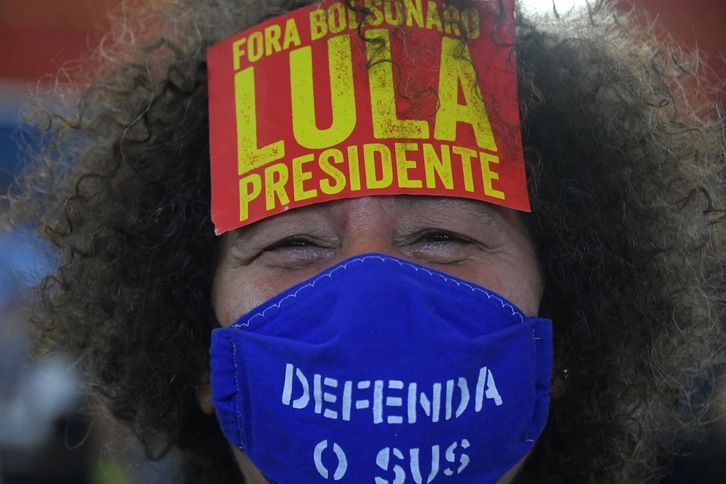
(441, 236)
(438, 246)
(296, 252)
(296, 242)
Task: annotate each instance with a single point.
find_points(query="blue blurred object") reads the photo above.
(10, 100)
(8, 152)
(22, 264)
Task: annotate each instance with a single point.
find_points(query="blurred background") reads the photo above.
(47, 432)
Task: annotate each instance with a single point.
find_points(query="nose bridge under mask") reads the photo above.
(376, 284)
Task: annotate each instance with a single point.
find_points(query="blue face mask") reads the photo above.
(383, 371)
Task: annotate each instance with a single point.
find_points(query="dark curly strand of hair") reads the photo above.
(625, 181)
(631, 244)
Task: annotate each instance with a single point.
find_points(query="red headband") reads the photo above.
(307, 108)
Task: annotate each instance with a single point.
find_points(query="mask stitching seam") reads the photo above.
(528, 438)
(238, 393)
(538, 349)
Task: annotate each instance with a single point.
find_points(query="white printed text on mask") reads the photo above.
(388, 401)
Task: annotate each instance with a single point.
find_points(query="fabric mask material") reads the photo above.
(379, 370)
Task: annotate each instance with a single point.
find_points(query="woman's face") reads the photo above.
(481, 243)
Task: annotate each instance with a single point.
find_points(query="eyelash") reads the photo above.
(440, 236)
(296, 252)
(294, 242)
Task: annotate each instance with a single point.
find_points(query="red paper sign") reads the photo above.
(307, 108)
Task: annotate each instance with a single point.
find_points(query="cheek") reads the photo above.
(527, 295)
(514, 275)
(526, 286)
(223, 302)
(237, 291)
(522, 287)
(234, 296)
(522, 272)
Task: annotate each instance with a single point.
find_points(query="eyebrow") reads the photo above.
(481, 210)
(244, 234)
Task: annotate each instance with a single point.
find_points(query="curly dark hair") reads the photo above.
(624, 160)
